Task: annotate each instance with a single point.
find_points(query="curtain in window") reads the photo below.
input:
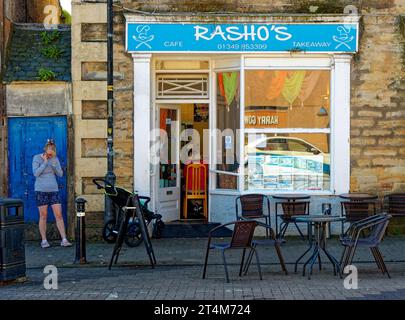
(276, 85)
(228, 86)
(293, 85)
(308, 85)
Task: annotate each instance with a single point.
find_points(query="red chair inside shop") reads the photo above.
(196, 186)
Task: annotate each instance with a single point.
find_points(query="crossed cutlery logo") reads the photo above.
(142, 37)
(344, 37)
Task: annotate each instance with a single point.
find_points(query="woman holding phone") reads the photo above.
(46, 167)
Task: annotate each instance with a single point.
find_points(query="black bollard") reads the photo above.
(81, 231)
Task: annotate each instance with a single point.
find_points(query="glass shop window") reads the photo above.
(228, 126)
(287, 130)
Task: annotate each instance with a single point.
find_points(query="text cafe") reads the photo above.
(262, 104)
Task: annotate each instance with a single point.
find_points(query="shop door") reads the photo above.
(169, 164)
(26, 138)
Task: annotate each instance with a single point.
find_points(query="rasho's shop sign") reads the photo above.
(177, 37)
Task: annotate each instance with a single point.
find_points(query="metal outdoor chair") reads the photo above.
(395, 204)
(291, 209)
(353, 238)
(354, 211)
(242, 236)
(252, 207)
(272, 241)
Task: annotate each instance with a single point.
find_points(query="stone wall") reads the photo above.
(264, 6)
(87, 93)
(378, 107)
(90, 106)
(378, 85)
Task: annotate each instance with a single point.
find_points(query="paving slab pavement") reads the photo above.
(178, 274)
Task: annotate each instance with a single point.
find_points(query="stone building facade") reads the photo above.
(377, 106)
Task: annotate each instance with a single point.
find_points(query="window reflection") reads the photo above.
(291, 162)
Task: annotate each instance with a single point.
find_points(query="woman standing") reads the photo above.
(45, 167)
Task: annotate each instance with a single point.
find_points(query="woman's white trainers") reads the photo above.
(45, 244)
(65, 243)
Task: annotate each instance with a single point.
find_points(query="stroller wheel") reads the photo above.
(108, 232)
(134, 235)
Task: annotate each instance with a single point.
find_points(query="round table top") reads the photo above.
(317, 218)
(358, 196)
(291, 196)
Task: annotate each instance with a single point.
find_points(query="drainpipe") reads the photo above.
(110, 176)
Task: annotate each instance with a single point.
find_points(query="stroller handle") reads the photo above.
(105, 182)
(147, 199)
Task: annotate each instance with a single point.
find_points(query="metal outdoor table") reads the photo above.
(289, 197)
(358, 196)
(318, 242)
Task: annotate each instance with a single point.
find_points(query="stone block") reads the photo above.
(94, 71)
(363, 141)
(387, 162)
(89, 90)
(376, 132)
(94, 148)
(390, 123)
(89, 12)
(38, 99)
(88, 187)
(363, 162)
(90, 51)
(397, 141)
(380, 151)
(362, 123)
(94, 32)
(94, 109)
(355, 151)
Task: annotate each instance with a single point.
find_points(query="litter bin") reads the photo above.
(12, 249)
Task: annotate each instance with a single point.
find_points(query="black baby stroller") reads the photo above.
(119, 197)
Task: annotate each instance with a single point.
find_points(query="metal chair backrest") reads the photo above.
(196, 179)
(298, 208)
(377, 227)
(379, 230)
(243, 234)
(396, 204)
(252, 205)
(356, 210)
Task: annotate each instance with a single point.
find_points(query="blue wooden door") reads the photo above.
(26, 138)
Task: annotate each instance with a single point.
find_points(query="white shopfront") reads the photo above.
(269, 98)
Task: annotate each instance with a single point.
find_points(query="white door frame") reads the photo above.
(142, 124)
(176, 107)
(155, 103)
